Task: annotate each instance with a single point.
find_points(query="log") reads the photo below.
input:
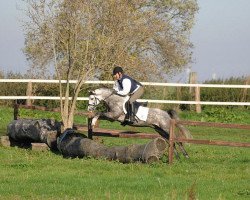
(29, 131)
(73, 144)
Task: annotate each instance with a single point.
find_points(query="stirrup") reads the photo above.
(126, 122)
(132, 118)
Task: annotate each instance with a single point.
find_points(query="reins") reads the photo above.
(95, 103)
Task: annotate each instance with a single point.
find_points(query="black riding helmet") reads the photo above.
(117, 69)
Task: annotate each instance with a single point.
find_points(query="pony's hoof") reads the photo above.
(187, 156)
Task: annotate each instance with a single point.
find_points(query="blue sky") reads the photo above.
(221, 38)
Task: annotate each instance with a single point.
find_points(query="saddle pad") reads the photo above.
(142, 113)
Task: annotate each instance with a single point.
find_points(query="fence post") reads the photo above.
(195, 92)
(171, 142)
(16, 106)
(178, 97)
(244, 90)
(29, 93)
(192, 80)
(197, 99)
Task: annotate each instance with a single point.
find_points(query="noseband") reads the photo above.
(95, 102)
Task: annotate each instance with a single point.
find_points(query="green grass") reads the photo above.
(212, 172)
(220, 114)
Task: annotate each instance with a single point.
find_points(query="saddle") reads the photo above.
(137, 105)
(132, 110)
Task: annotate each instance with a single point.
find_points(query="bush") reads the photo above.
(226, 94)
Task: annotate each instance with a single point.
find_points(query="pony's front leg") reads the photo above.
(107, 116)
(110, 116)
(95, 118)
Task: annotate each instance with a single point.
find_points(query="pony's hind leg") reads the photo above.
(180, 144)
(183, 150)
(165, 135)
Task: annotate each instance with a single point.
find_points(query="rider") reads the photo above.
(125, 85)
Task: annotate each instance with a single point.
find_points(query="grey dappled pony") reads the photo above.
(157, 119)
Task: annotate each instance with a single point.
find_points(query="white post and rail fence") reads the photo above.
(172, 138)
(197, 87)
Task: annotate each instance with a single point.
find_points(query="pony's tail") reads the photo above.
(184, 131)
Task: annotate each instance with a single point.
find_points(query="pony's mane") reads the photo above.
(105, 88)
(102, 90)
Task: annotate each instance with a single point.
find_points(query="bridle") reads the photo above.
(95, 103)
(96, 100)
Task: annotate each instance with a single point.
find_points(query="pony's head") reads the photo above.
(96, 96)
(93, 100)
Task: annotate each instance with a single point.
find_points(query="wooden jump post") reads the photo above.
(171, 142)
(90, 128)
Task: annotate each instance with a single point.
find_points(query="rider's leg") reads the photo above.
(127, 116)
(132, 112)
(136, 95)
(127, 106)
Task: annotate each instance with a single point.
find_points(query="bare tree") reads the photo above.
(81, 39)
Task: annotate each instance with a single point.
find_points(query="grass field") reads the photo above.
(212, 172)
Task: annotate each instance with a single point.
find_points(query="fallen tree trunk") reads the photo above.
(34, 130)
(72, 144)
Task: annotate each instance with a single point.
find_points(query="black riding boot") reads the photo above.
(132, 113)
(128, 114)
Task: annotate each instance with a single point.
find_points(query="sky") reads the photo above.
(221, 39)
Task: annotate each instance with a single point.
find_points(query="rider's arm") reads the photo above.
(116, 86)
(126, 87)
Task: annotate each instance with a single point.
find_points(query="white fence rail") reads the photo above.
(144, 83)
